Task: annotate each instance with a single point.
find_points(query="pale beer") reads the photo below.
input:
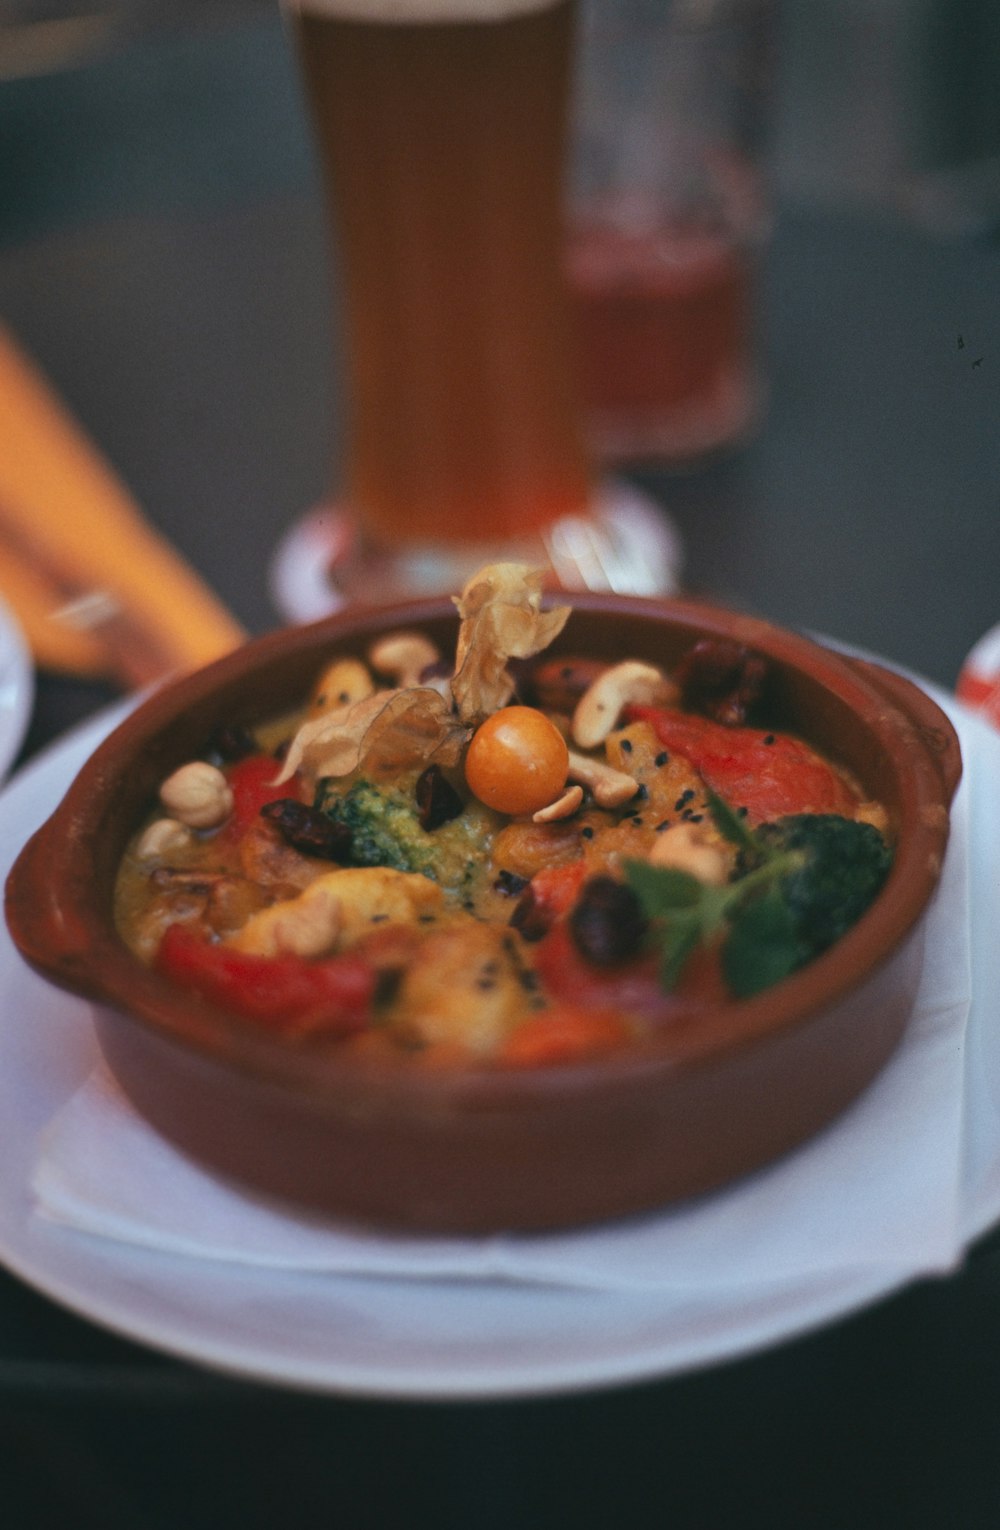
(442, 131)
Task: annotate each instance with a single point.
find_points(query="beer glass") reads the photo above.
(442, 133)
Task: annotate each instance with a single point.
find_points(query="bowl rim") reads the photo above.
(78, 948)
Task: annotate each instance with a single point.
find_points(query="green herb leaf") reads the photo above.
(763, 945)
(675, 940)
(731, 826)
(662, 889)
(682, 912)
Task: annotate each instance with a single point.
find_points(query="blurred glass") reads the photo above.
(669, 217)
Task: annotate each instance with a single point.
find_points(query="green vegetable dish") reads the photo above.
(499, 858)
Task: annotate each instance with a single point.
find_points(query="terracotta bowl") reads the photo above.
(478, 1150)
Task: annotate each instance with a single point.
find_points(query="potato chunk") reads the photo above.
(337, 910)
(464, 986)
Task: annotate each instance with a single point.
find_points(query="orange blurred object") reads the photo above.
(96, 589)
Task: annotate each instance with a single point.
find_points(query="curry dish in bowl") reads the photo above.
(505, 916)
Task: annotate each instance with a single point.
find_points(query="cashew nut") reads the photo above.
(563, 807)
(684, 847)
(601, 704)
(609, 788)
(403, 657)
(163, 838)
(341, 683)
(198, 795)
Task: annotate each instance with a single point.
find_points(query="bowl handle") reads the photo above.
(931, 725)
(57, 945)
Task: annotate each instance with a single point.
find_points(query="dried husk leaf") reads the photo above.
(389, 730)
(502, 619)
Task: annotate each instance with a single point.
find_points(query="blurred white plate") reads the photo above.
(17, 688)
(434, 1338)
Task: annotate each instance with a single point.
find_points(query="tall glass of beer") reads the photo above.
(442, 131)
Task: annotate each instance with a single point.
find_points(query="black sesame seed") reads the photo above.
(769, 738)
(587, 832)
(695, 817)
(664, 825)
(662, 759)
(626, 746)
(642, 794)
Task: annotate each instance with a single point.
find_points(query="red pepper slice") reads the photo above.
(286, 993)
(633, 986)
(549, 895)
(252, 782)
(770, 774)
(564, 1033)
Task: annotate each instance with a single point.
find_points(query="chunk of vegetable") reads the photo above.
(284, 993)
(769, 774)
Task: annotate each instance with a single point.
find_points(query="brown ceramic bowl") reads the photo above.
(478, 1150)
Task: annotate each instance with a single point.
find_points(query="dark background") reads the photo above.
(162, 254)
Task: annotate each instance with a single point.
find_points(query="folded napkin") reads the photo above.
(880, 1187)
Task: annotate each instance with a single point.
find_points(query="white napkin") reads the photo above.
(880, 1187)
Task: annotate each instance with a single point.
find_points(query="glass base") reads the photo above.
(627, 543)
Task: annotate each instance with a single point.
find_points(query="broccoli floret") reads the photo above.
(844, 867)
(385, 827)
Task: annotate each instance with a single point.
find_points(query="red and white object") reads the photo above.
(979, 681)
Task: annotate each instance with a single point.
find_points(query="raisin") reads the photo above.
(607, 924)
(437, 800)
(721, 679)
(530, 918)
(308, 830)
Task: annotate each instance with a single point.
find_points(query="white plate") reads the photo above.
(392, 1338)
(17, 688)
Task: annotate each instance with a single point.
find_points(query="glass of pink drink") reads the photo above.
(668, 221)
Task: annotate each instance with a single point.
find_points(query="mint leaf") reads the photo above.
(662, 889)
(682, 912)
(732, 827)
(676, 939)
(763, 945)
